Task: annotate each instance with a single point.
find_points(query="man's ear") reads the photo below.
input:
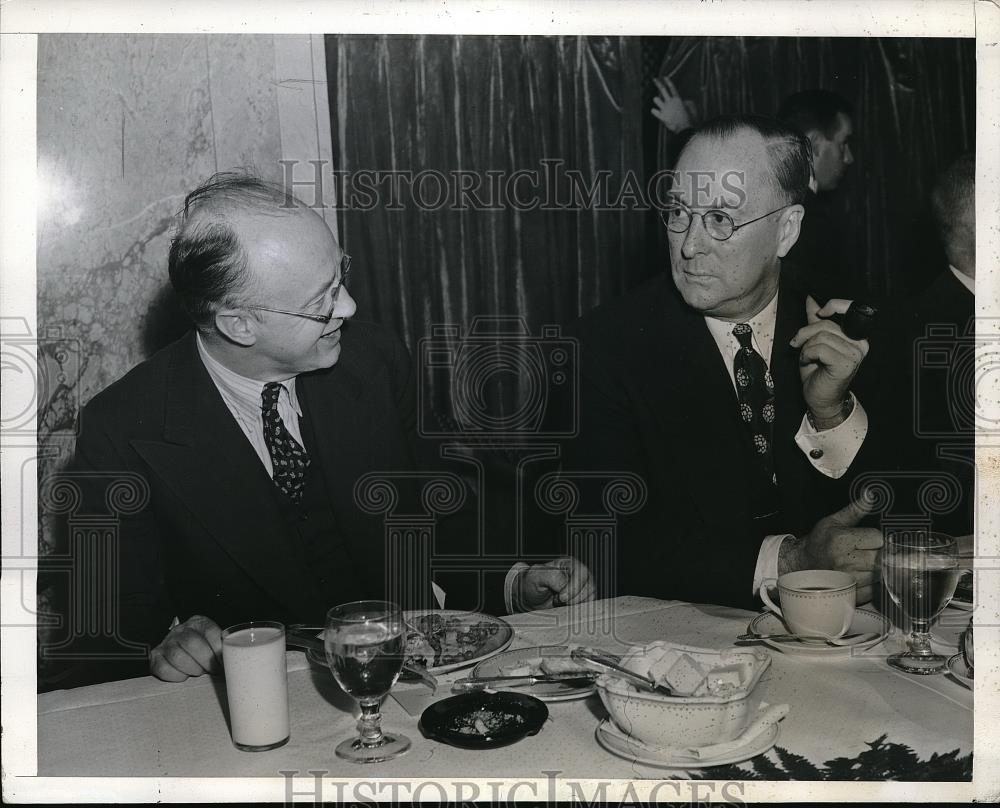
(237, 325)
(789, 226)
(816, 139)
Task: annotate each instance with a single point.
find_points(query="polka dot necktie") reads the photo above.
(288, 459)
(755, 391)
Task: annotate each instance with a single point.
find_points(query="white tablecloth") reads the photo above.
(143, 727)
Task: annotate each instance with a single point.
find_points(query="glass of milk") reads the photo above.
(253, 655)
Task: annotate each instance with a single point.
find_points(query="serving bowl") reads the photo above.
(667, 722)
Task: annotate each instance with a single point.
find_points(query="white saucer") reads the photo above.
(958, 669)
(865, 621)
(638, 752)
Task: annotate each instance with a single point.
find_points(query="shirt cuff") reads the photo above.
(832, 451)
(508, 585)
(767, 560)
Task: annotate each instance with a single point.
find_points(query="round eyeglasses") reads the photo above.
(345, 276)
(718, 224)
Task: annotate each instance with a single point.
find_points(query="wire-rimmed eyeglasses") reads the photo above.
(345, 274)
(677, 218)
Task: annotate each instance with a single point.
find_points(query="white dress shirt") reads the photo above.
(830, 452)
(243, 397)
(966, 281)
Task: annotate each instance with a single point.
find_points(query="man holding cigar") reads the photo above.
(726, 391)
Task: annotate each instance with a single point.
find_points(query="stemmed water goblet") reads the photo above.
(920, 572)
(365, 642)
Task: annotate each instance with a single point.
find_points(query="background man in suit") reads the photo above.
(921, 375)
(250, 433)
(725, 390)
(816, 263)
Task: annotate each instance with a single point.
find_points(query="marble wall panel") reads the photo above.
(124, 129)
(300, 78)
(244, 103)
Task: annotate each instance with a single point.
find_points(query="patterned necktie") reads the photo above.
(288, 459)
(755, 390)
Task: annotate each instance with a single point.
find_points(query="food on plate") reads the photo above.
(433, 640)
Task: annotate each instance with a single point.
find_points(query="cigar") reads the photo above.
(857, 322)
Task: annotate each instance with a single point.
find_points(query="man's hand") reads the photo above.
(837, 543)
(828, 362)
(561, 582)
(670, 109)
(191, 648)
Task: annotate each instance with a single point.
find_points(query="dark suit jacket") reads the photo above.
(657, 400)
(920, 381)
(211, 540)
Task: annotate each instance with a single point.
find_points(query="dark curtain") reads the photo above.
(441, 104)
(485, 104)
(914, 103)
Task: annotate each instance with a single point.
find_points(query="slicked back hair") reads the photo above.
(953, 199)
(789, 151)
(207, 263)
(815, 111)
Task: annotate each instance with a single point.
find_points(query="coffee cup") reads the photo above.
(814, 602)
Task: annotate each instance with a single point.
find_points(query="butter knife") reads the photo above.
(475, 683)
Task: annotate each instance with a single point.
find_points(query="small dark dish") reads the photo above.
(483, 720)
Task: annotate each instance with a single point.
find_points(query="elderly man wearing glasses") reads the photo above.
(250, 434)
(725, 391)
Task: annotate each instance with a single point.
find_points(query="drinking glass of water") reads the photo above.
(364, 644)
(920, 572)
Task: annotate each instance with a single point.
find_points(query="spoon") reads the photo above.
(846, 639)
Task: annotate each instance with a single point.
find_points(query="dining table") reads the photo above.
(850, 715)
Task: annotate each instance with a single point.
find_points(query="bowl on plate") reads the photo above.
(712, 716)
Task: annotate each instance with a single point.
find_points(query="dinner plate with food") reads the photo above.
(448, 639)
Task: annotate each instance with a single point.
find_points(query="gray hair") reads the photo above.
(788, 149)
